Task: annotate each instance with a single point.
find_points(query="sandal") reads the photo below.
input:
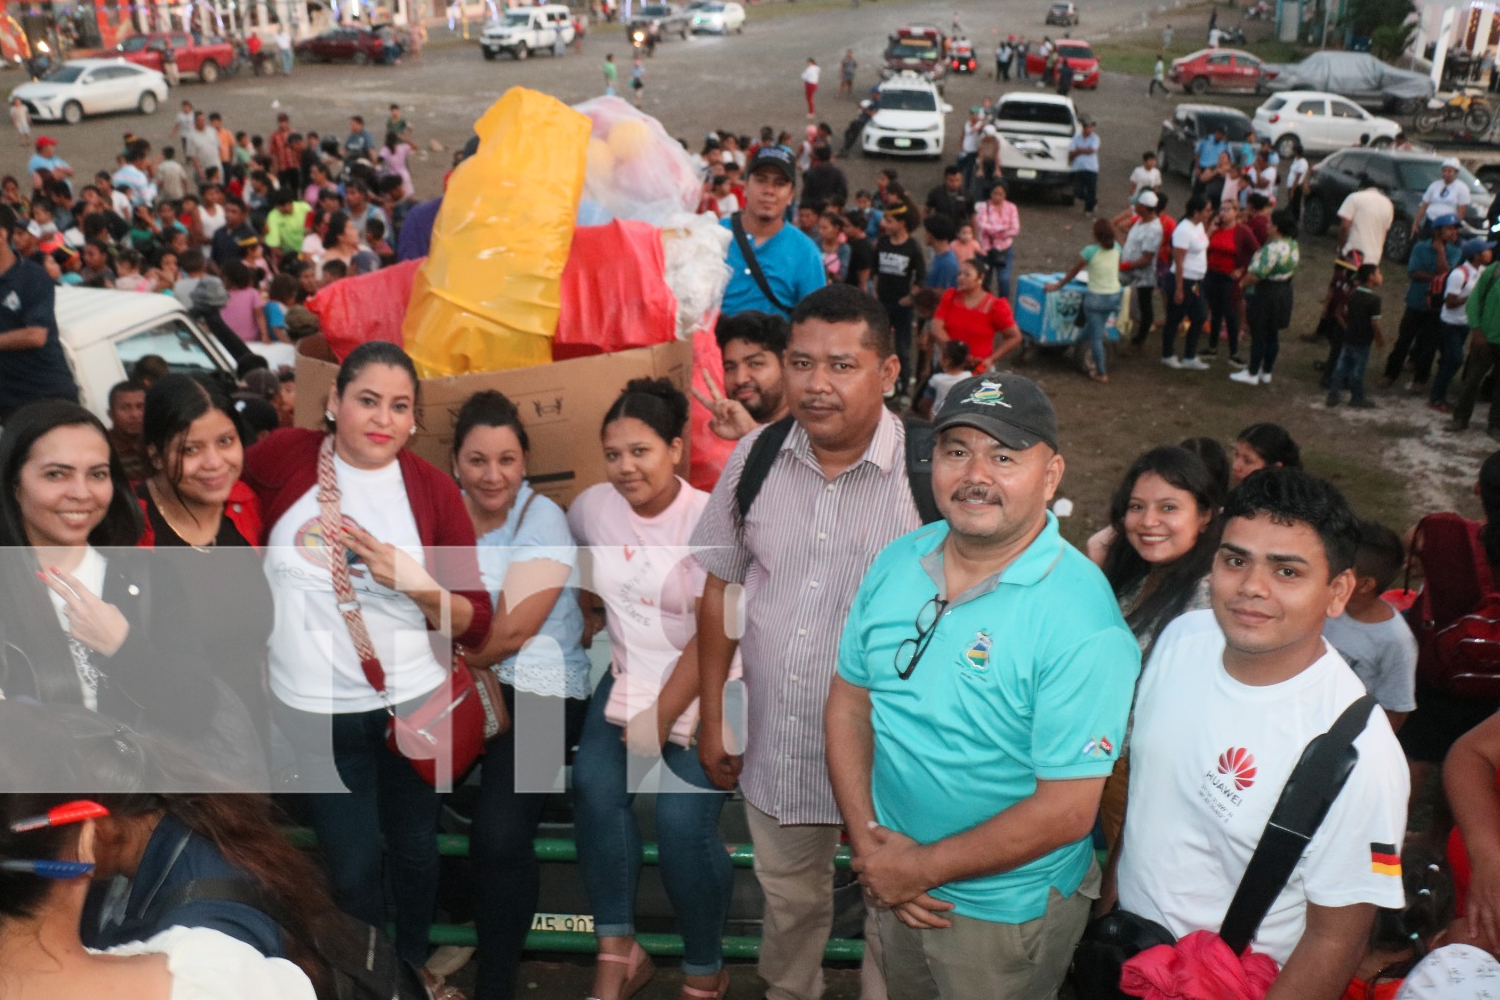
(438, 989)
(715, 994)
(638, 971)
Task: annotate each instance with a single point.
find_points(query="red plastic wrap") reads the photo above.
(614, 292)
(365, 307)
(710, 452)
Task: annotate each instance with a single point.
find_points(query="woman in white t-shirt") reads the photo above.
(1184, 294)
(45, 874)
(409, 545)
(638, 526)
(1297, 176)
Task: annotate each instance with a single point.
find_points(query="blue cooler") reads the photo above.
(1051, 317)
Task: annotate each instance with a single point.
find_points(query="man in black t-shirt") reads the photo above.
(861, 251)
(233, 238)
(823, 181)
(948, 198)
(1361, 330)
(899, 270)
(32, 365)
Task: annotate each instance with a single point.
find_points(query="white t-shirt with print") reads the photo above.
(1190, 236)
(1209, 757)
(1461, 281)
(313, 664)
(1453, 972)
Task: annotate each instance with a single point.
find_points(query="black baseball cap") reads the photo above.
(1008, 407)
(773, 156)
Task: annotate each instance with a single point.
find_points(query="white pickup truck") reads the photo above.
(524, 30)
(1035, 131)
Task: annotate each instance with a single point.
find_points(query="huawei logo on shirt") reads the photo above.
(1238, 765)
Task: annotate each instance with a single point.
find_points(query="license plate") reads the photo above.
(903, 143)
(578, 922)
(1026, 175)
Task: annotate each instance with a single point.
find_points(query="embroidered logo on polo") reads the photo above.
(977, 654)
(988, 394)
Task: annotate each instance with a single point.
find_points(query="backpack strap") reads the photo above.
(218, 890)
(920, 441)
(758, 464)
(737, 226)
(1309, 793)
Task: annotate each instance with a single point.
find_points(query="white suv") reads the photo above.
(524, 30)
(1321, 122)
(1035, 131)
(910, 120)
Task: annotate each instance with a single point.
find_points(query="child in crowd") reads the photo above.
(965, 246)
(333, 270)
(1361, 331)
(128, 268)
(955, 361)
(243, 312)
(21, 119)
(866, 205)
(283, 296)
(1401, 938)
(1374, 640)
(375, 240)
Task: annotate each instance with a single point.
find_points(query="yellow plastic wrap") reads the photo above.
(488, 296)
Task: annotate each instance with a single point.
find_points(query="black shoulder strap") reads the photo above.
(1309, 793)
(920, 441)
(219, 890)
(758, 464)
(737, 226)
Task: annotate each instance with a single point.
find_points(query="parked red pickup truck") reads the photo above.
(206, 60)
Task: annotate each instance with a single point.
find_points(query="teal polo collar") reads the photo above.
(1033, 565)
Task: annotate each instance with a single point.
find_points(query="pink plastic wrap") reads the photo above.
(614, 292)
(366, 307)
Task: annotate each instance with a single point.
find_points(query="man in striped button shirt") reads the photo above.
(835, 495)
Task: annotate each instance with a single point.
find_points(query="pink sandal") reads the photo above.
(715, 994)
(638, 971)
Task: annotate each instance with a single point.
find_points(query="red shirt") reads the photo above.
(975, 327)
(1221, 251)
(1168, 224)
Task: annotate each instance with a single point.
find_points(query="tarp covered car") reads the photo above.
(1358, 76)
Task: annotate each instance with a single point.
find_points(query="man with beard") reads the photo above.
(751, 344)
(791, 265)
(984, 679)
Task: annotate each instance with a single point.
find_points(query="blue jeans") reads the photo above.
(695, 867)
(1086, 188)
(1097, 309)
(1451, 340)
(1349, 373)
(387, 821)
(1193, 308)
(999, 261)
(286, 61)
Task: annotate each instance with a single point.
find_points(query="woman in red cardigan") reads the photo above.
(410, 550)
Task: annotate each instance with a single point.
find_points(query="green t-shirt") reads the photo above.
(1103, 268)
(610, 73)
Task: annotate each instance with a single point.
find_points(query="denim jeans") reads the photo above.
(1192, 306)
(387, 821)
(695, 867)
(1451, 339)
(1000, 261)
(1086, 188)
(1097, 309)
(507, 878)
(901, 320)
(1349, 372)
(1223, 310)
(286, 61)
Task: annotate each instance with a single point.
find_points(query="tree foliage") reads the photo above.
(1388, 24)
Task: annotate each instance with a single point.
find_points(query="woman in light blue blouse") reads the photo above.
(527, 559)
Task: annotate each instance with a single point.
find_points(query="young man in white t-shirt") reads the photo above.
(1146, 177)
(1226, 706)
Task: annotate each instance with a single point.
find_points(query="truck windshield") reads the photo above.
(516, 19)
(1035, 113)
(907, 100)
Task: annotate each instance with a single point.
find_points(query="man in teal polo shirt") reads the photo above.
(984, 679)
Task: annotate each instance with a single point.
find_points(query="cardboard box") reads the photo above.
(1051, 317)
(562, 405)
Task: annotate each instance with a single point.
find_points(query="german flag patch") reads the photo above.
(1384, 860)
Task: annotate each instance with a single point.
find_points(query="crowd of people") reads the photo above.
(869, 624)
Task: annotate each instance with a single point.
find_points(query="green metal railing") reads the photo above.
(558, 850)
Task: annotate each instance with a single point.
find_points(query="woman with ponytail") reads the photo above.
(638, 526)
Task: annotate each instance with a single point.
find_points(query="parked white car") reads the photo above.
(105, 332)
(911, 120)
(91, 87)
(524, 30)
(719, 18)
(1321, 122)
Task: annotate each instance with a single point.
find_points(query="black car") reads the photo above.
(1403, 177)
(1175, 150)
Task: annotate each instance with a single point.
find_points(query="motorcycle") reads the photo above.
(856, 128)
(1232, 36)
(644, 38)
(1467, 111)
(1259, 12)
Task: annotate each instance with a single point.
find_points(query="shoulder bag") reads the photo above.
(742, 240)
(446, 734)
(1115, 938)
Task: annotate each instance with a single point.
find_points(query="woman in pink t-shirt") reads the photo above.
(637, 527)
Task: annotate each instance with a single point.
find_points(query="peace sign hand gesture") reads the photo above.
(730, 420)
(99, 626)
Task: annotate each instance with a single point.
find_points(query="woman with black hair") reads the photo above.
(79, 600)
(1263, 446)
(638, 526)
(535, 646)
(412, 581)
(100, 816)
(1165, 515)
(203, 521)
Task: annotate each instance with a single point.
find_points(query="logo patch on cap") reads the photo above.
(988, 394)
